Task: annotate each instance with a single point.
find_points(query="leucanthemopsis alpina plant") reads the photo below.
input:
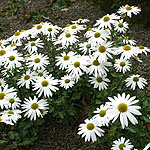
(47, 58)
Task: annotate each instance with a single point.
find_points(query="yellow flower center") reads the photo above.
(37, 60)
(77, 64)
(96, 62)
(136, 79)
(121, 146)
(89, 29)
(67, 25)
(141, 47)
(122, 64)
(2, 52)
(45, 83)
(41, 22)
(11, 58)
(73, 27)
(106, 19)
(33, 43)
(11, 100)
(66, 57)
(1, 43)
(2, 95)
(40, 74)
(88, 45)
(90, 126)
(34, 106)
(127, 38)
(102, 49)
(1, 119)
(99, 79)
(13, 45)
(102, 113)
(27, 77)
(39, 27)
(17, 33)
(10, 112)
(68, 35)
(97, 35)
(28, 55)
(49, 29)
(128, 8)
(120, 25)
(67, 80)
(126, 48)
(122, 107)
(0, 83)
(23, 30)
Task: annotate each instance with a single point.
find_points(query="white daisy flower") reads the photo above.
(88, 33)
(89, 130)
(33, 46)
(122, 65)
(121, 26)
(99, 82)
(64, 60)
(85, 48)
(4, 93)
(12, 101)
(4, 118)
(102, 116)
(106, 21)
(80, 20)
(45, 85)
(142, 49)
(128, 10)
(135, 80)
(33, 107)
(122, 144)
(103, 51)
(2, 82)
(26, 79)
(3, 54)
(97, 68)
(13, 46)
(98, 36)
(3, 43)
(127, 51)
(13, 115)
(13, 60)
(41, 73)
(38, 61)
(128, 40)
(37, 29)
(66, 81)
(123, 106)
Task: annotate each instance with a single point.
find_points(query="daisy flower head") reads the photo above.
(66, 38)
(66, 81)
(123, 106)
(107, 21)
(41, 73)
(88, 33)
(122, 144)
(85, 48)
(38, 29)
(12, 101)
(128, 10)
(128, 41)
(13, 46)
(2, 82)
(122, 65)
(98, 68)
(64, 61)
(99, 82)
(98, 36)
(3, 54)
(33, 46)
(13, 60)
(142, 49)
(3, 43)
(26, 79)
(103, 51)
(77, 67)
(80, 20)
(135, 80)
(127, 51)
(4, 119)
(45, 85)
(102, 116)
(38, 61)
(13, 115)
(90, 129)
(4, 93)
(33, 107)
(121, 26)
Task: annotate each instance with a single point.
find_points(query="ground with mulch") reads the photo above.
(55, 135)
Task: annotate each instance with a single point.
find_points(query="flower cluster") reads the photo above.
(46, 58)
